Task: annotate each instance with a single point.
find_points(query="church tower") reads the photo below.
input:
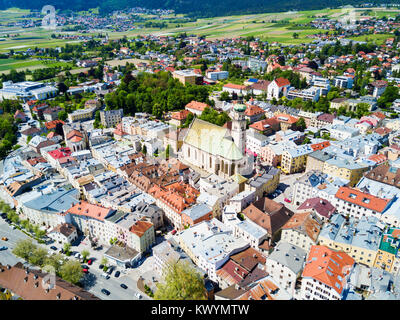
(238, 131)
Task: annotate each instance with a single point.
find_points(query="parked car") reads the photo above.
(85, 270)
(138, 295)
(101, 266)
(3, 248)
(105, 291)
(110, 270)
(124, 286)
(84, 266)
(173, 232)
(90, 261)
(53, 248)
(4, 239)
(105, 275)
(287, 200)
(117, 273)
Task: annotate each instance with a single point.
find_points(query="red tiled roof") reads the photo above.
(253, 110)
(87, 209)
(321, 206)
(281, 82)
(197, 105)
(328, 266)
(362, 199)
(180, 115)
(52, 124)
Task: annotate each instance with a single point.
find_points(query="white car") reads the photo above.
(138, 295)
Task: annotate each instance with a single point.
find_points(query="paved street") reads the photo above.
(6, 257)
(286, 184)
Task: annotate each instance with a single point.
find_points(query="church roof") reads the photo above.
(212, 139)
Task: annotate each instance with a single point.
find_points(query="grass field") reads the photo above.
(277, 27)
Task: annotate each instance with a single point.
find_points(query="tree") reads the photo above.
(362, 109)
(38, 256)
(71, 271)
(301, 124)
(67, 247)
(295, 35)
(62, 115)
(104, 261)
(85, 254)
(182, 282)
(224, 96)
(97, 123)
(24, 249)
(144, 149)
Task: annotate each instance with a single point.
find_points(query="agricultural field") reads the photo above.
(278, 27)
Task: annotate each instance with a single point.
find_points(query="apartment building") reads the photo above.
(358, 238)
(110, 118)
(326, 274)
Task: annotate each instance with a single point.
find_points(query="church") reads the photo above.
(217, 149)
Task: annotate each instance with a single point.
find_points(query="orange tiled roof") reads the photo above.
(253, 110)
(140, 227)
(52, 124)
(281, 82)
(362, 199)
(197, 105)
(180, 115)
(87, 209)
(328, 266)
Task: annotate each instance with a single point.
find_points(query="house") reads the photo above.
(210, 244)
(322, 208)
(64, 233)
(179, 117)
(195, 214)
(325, 275)
(32, 284)
(285, 265)
(302, 230)
(269, 215)
(388, 255)
(236, 88)
(20, 115)
(358, 238)
(196, 107)
(278, 88)
(253, 113)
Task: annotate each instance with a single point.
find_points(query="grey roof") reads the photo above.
(122, 254)
(289, 255)
(197, 211)
(58, 201)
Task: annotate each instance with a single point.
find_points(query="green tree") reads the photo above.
(224, 96)
(62, 115)
(38, 256)
(144, 149)
(85, 254)
(71, 271)
(301, 124)
(182, 282)
(24, 249)
(104, 261)
(67, 247)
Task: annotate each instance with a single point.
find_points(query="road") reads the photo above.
(6, 257)
(286, 183)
